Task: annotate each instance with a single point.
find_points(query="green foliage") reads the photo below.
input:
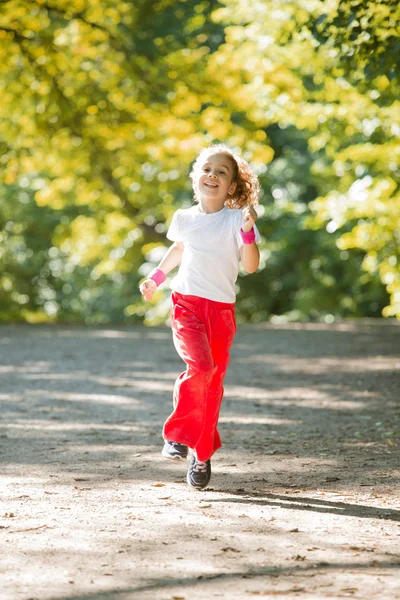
(305, 277)
(352, 124)
(105, 104)
(365, 33)
(41, 282)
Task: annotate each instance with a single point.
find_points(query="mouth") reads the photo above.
(211, 185)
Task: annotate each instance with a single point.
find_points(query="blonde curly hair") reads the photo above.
(247, 184)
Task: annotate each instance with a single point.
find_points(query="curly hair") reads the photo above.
(247, 184)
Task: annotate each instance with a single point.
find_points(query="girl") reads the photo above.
(209, 239)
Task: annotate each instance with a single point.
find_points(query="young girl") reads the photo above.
(209, 239)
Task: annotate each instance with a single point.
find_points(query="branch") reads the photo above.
(17, 35)
(79, 15)
(127, 205)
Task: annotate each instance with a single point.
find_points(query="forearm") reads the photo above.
(250, 257)
(172, 258)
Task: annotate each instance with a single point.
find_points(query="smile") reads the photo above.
(211, 184)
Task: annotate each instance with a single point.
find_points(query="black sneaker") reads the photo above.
(174, 451)
(199, 473)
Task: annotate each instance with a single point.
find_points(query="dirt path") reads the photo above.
(304, 498)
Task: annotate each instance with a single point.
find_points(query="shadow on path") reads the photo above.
(251, 573)
(314, 505)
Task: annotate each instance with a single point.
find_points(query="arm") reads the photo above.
(171, 260)
(250, 257)
(249, 253)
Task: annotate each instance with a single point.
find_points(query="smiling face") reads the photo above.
(215, 179)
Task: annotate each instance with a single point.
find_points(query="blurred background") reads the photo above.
(106, 103)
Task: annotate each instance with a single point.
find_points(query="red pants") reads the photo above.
(203, 332)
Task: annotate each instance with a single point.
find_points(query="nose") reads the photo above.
(212, 174)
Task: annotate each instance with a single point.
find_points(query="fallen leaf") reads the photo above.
(158, 484)
(359, 549)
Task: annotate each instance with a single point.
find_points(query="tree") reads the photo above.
(351, 123)
(103, 102)
(365, 34)
(105, 105)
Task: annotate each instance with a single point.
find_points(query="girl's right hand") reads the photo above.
(147, 289)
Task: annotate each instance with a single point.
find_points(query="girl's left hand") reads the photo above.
(249, 218)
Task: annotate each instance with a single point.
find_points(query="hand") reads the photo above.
(147, 289)
(249, 218)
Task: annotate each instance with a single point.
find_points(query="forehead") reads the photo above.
(219, 159)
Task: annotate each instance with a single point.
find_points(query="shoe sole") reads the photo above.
(175, 458)
(196, 487)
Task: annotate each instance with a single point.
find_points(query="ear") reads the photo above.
(232, 188)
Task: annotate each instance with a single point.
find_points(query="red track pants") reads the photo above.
(203, 332)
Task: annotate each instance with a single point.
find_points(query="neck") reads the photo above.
(209, 208)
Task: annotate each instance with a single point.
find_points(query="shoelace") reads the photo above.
(200, 467)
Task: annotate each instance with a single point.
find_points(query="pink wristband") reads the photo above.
(248, 237)
(158, 276)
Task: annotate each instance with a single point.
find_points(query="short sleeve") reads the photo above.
(238, 226)
(173, 232)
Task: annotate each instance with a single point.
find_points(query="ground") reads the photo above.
(304, 497)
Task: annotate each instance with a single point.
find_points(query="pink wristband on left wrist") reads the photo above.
(248, 237)
(157, 276)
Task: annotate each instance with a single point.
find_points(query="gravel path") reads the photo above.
(303, 501)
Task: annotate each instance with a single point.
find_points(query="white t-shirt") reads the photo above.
(210, 260)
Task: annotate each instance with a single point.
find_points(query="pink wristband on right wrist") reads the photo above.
(248, 237)
(157, 276)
